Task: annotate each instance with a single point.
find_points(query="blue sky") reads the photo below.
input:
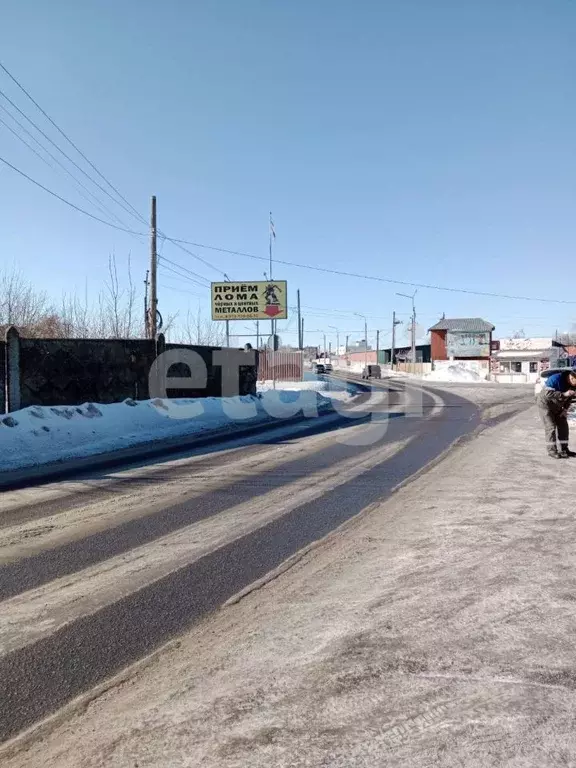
(420, 141)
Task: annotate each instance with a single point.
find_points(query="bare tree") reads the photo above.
(117, 305)
(21, 304)
(200, 330)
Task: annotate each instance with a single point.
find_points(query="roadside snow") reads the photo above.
(315, 385)
(42, 435)
(455, 373)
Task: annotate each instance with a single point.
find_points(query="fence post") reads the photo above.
(12, 397)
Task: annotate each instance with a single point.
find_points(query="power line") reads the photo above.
(181, 276)
(95, 201)
(206, 283)
(194, 255)
(342, 273)
(179, 290)
(72, 144)
(67, 202)
(179, 242)
(74, 163)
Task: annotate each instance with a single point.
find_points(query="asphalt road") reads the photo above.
(98, 571)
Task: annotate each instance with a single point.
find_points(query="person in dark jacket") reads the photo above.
(554, 400)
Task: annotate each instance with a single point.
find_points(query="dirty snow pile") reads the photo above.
(455, 373)
(42, 434)
(313, 384)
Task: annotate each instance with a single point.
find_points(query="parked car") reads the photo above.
(328, 367)
(319, 368)
(372, 372)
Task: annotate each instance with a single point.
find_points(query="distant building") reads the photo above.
(523, 360)
(360, 346)
(404, 354)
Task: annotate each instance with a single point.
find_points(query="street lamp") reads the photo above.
(413, 331)
(365, 338)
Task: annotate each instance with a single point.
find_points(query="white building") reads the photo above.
(522, 360)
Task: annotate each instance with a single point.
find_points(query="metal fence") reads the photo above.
(288, 366)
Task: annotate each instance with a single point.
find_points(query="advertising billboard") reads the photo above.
(467, 344)
(260, 300)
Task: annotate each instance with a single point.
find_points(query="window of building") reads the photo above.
(505, 367)
(533, 367)
(516, 367)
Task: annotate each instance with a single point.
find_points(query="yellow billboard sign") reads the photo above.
(260, 300)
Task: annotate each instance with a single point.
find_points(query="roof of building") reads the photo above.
(464, 324)
(526, 345)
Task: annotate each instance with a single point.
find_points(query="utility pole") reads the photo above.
(300, 345)
(146, 315)
(271, 234)
(377, 346)
(227, 333)
(333, 327)
(392, 351)
(413, 329)
(257, 334)
(302, 332)
(324, 346)
(346, 349)
(330, 350)
(153, 273)
(365, 338)
(414, 332)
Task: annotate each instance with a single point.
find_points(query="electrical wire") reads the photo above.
(343, 273)
(180, 290)
(94, 201)
(206, 283)
(180, 243)
(181, 276)
(130, 208)
(72, 144)
(67, 202)
(74, 163)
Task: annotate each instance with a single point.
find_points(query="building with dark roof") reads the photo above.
(461, 338)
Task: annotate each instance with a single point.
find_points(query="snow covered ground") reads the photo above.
(43, 435)
(456, 372)
(313, 384)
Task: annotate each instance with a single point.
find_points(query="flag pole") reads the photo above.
(272, 323)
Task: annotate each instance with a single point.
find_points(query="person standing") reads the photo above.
(554, 400)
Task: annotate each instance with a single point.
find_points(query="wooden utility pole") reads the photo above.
(257, 334)
(153, 325)
(377, 346)
(394, 324)
(302, 333)
(146, 313)
(299, 321)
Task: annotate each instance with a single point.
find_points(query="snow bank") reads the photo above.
(455, 372)
(313, 384)
(42, 435)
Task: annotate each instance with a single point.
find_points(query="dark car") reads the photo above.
(372, 372)
(319, 368)
(328, 367)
